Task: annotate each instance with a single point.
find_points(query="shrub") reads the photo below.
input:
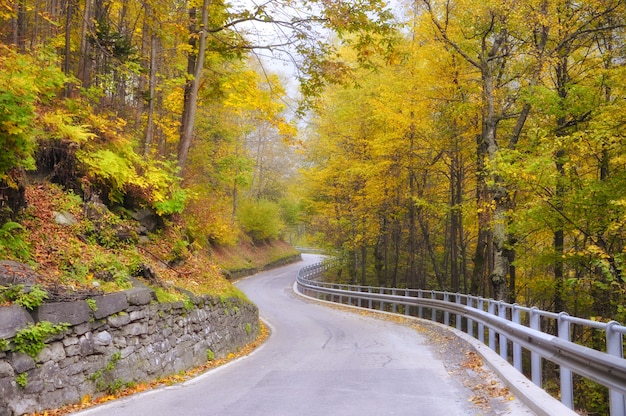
(12, 243)
(28, 300)
(31, 340)
(260, 219)
(25, 82)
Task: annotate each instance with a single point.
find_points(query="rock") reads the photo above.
(64, 218)
(147, 219)
(22, 362)
(73, 313)
(110, 304)
(6, 370)
(102, 339)
(14, 273)
(12, 319)
(117, 321)
(140, 296)
(53, 352)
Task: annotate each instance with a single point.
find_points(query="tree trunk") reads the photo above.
(67, 62)
(20, 27)
(191, 94)
(85, 62)
(149, 133)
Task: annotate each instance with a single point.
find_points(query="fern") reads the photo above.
(12, 243)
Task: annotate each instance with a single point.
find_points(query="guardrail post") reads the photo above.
(470, 322)
(381, 304)
(446, 314)
(481, 326)
(567, 389)
(491, 310)
(394, 306)
(504, 343)
(371, 304)
(517, 348)
(614, 347)
(459, 321)
(420, 310)
(433, 311)
(535, 359)
(407, 307)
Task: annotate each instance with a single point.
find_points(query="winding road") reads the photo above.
(318, 361)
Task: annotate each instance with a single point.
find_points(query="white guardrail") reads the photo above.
(509, 329)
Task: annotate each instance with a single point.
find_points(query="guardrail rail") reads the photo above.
(507, 329)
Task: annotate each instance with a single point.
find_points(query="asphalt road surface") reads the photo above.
(318, 361)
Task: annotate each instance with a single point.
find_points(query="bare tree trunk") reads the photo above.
(149, 133)
(85, 64)
(481, 268)
(20, 27)
(412, 214)
(67, 62)
(191, 96)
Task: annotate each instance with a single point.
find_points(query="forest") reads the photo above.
(453, 145)
(483, 155)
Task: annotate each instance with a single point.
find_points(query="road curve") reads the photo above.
(318, 361)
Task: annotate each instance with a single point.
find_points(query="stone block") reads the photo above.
(6, 370)
(67, 341)
(135, 329)
(12, 319)
(73, 313)
(140, 296)
(22, 362)
(72, 350)
(102, 338)
(34, 386)
(86, 344)
(110, 304)
(117, 321)
(137, 315)
(53, 352)
(14, 273)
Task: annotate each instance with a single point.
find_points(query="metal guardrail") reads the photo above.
(506, 328)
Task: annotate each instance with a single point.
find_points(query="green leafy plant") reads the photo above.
(12, 242)
(28, 300)
(260, 219)
(22, 379)
(25, 81)
(31, 340)
(100, 376)
(210, 355)
(4, 345)
(92, 304)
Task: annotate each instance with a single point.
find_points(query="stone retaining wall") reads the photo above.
(122, 338)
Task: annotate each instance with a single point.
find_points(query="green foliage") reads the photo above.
(290, 211)
(102, 376)
(31, 340)
(28, 300)
(260, 219)
(124, 171)
(4, 345)
(248, 328)
(22, 379)
(25, 81)
(12, 242)
(173, 205)
(180, 251)
(92, 304)
(210, 355)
